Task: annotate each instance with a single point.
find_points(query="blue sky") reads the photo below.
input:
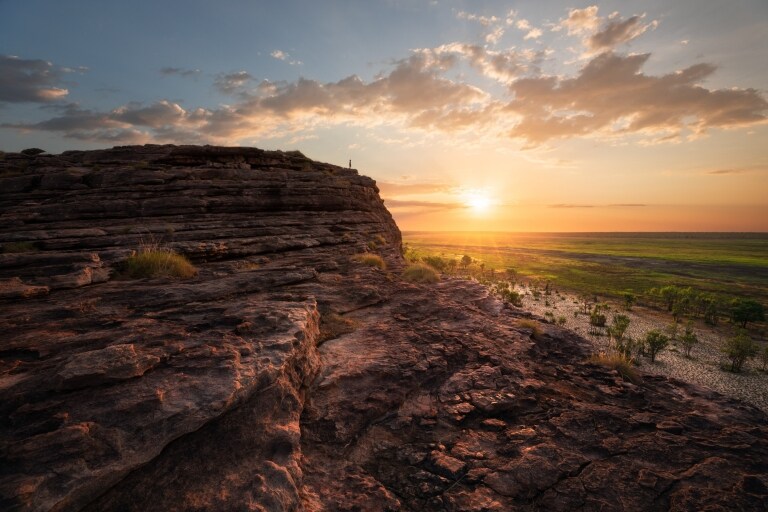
(534, 105)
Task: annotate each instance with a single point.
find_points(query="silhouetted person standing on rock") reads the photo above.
(350, 163)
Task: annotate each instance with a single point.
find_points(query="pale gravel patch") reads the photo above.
(702, 368)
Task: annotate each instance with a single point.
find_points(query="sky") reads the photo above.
(470, 115)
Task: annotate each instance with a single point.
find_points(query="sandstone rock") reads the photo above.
(213, 394)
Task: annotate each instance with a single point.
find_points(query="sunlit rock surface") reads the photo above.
(218, 392)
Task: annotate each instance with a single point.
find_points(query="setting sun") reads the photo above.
(478, 201)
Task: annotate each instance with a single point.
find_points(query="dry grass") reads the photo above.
(370, 259)
(421, 273)
(531, 325)
(618, 362)
(333, 325)
(158, 263)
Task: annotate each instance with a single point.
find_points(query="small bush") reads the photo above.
(688, 340)
(616, 361)
(372, 260)
(655, 342)
(739, 349)
(561, 320)
(158, 263)
(436, 262)
(17, 247)
(421, 273)
(597, 319)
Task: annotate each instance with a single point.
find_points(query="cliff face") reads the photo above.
(286, 376)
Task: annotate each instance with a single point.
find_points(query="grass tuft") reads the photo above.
(532, 325)
(158, 263)
(616, 361)
(421, 273)
(372, 260)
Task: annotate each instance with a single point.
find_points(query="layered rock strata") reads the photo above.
(288, 376)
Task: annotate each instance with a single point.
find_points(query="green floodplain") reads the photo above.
(610, 264)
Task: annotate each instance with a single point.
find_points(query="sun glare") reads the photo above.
(478, 201)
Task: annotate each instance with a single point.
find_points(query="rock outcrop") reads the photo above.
(288, 376)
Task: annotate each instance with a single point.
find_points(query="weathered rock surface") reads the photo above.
(218, 393)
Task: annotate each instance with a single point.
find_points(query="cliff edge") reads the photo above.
(286, 375)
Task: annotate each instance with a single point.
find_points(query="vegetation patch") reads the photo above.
(531, 325)
(421, 273)
(619, 362)
(370, 259)
(17, 247)
(157, 263)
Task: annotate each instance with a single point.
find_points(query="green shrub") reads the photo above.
(739, 349)
(17, 247)
(619, 325)
(421, 273)
(370, 259)
(688, 340)
(436, 262)
(157, 263)
(597, 319)
(655, 342)
(561, 320)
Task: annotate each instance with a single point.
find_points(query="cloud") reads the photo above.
(617, 31)
(485, 21)
(413, 94)
(431, 93)
(612, 97)
(580, 21)
(495, 35)
(603, 34)
(186, 73)
(618, 205)
(284, 56)
(231, 83)
(501, 65)
(534, 33)
(736, 170)
(389, 189)
(30, 81)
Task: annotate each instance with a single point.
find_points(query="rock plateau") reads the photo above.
(287, 376)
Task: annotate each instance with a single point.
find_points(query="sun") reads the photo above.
(478, 201)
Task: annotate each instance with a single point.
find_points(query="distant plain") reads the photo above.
(609, 264)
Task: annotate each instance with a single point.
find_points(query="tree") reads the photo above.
(688, 340)
(739, 349)
(655, 342)
(32, 151)
(744, 311)
(466, 260)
